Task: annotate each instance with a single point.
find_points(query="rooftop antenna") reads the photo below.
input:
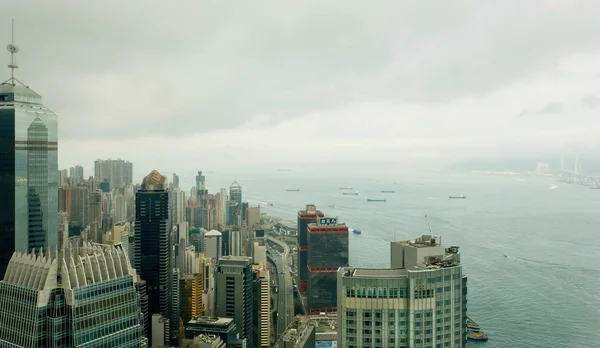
(428, 225)
(12, 65)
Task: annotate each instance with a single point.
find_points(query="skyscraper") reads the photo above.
(419, 302)
(327, 252)
(48, 300)
(262, 306)
(76, 174)
(28, 169)
(213, 244)
(234, 281)
(305, 217)
(153, 241)
(200, 186)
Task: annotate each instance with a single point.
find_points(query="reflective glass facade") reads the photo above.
(29, 172)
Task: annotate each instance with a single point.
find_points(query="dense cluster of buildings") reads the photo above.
(104, 262)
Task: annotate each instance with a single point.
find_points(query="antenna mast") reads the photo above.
(12, 65)
(428, 225)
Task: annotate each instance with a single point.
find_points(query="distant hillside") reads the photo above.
(523, 164)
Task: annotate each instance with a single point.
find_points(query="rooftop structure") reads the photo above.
(299, 334)
(423, 296)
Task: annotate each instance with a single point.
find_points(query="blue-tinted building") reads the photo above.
(28, 172)
(73, 300)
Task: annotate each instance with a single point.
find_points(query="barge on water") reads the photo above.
(474, 331)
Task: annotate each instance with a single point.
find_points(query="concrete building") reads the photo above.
(160, 327)
(44, 305)
(222, 327)
(234, 280)
(119, 173)
(223, 199)
(119, 211)
(76, 175)
(307, 216)
(299, 334)
(252, 216)
(263, 306)
(213, 244)
(29, 167)
(153, 242)
(327, 252)
(63, 231)
(421, 300)
(204, 341)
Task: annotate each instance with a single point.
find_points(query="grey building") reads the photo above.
(234, 280)
(419, 302)
(28, 170)
(89, 301)
(118, 173)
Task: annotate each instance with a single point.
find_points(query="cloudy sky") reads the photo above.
(214, 84)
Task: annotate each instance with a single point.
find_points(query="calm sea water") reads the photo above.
(532, 254)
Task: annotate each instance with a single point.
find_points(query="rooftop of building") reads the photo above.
(213, 233)
(374, 272)
(154, 181)
(296, 329)
(212, 321)
(431, 253)
(21, 93)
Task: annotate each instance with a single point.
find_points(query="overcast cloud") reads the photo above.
(223, 83)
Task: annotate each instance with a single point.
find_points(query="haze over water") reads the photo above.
(531, 254)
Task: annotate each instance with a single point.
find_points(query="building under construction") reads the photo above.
(308, 216)
(327, 252)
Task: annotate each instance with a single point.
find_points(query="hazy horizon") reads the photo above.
(207, 85)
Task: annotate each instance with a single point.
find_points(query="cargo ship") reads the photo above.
(293, 190)
(375, 200)
(457, 197)
(346, 188)
(474, 331)
(355, 193)
(355, 231)
(387, 191)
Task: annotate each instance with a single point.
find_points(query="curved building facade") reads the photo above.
(419, 302)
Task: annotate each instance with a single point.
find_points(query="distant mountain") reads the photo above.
(523, 164)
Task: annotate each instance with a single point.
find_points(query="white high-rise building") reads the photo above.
(120, 208)
(212, 244)
(224, 198)
(419, 302)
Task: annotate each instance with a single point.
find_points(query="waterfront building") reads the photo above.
(327, 252)
(419, 302)
(307, 216)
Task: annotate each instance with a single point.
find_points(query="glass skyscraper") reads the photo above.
(28, 172)
(152, 242)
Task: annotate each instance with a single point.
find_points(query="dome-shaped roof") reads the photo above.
(213, 233)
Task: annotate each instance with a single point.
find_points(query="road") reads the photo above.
(285, 296)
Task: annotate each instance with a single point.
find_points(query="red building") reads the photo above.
(327, 252)
(305, 217)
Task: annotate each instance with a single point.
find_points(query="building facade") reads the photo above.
(29, 170)
(90, 301)
(419, 302)
(119, 173)
(152, 242)
(307, 216)
(234, 280)
(327, 252)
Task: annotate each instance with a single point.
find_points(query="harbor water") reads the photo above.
(531, 253)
